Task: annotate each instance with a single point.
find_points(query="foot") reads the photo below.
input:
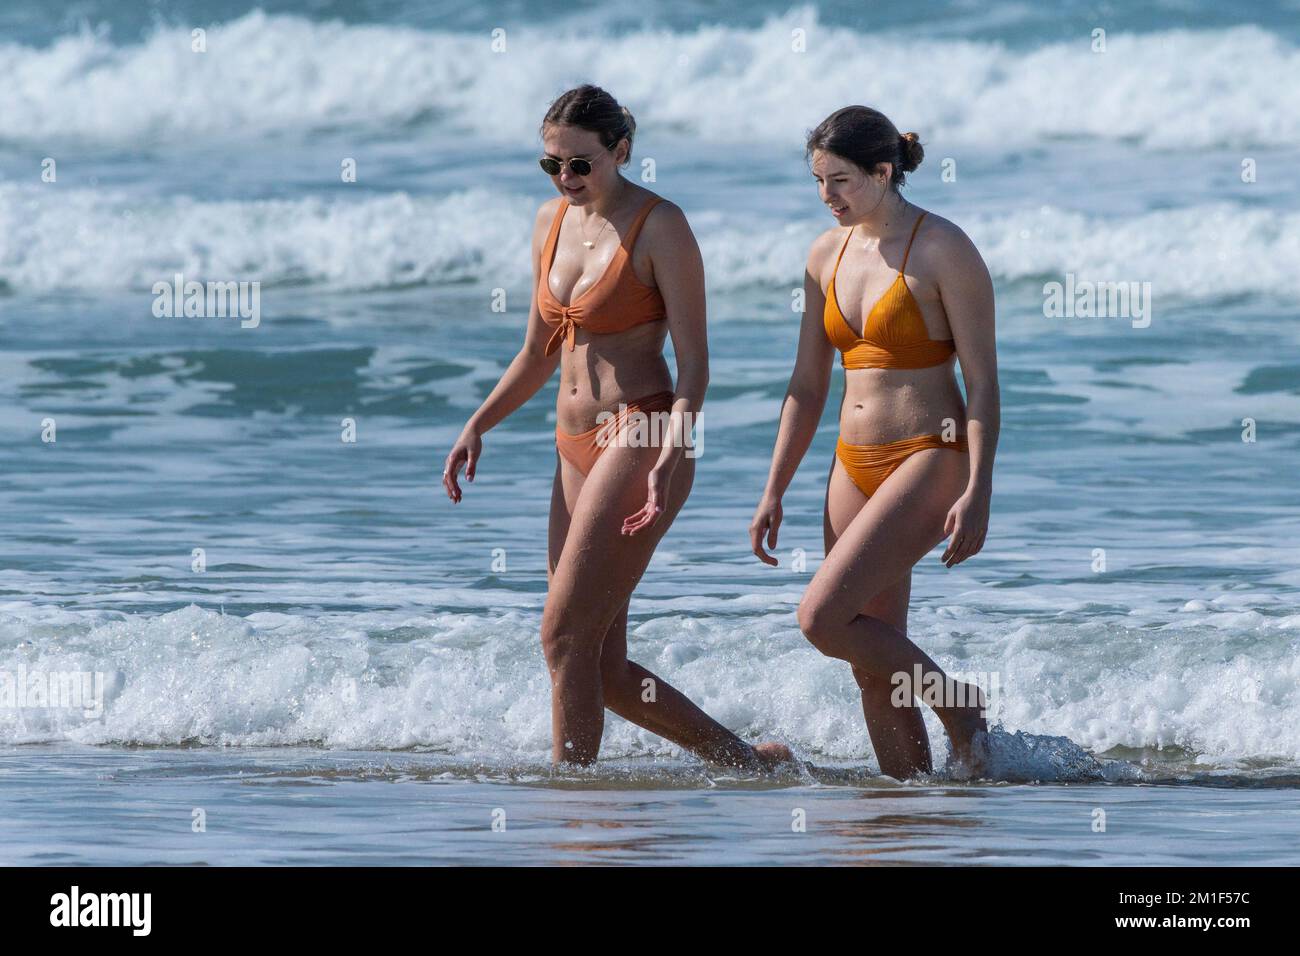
(968, 733)
(771, 755)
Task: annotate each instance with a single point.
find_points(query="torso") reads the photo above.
(604, 369)
(887, 404)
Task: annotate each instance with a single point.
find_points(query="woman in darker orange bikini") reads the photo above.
(615, 270)
(899, 292)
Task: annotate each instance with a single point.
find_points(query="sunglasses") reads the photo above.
(578, 166)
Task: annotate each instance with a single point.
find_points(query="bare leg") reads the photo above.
(637, 695)
(893, 530)
(584, 631)
(898, 734)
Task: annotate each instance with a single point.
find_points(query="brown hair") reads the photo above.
(866, 137)
(591, 108)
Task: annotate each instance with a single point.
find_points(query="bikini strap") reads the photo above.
(908, 251)
(630, 239)
(836, 270)
(548, 250)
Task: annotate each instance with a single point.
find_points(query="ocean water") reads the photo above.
(1137, 601)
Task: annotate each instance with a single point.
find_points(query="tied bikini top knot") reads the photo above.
(617, 301)
(893, 334)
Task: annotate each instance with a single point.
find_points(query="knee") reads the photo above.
(564, 641)
(819, 623)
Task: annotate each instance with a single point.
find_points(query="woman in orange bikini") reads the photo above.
(898, 292)
(615, 269)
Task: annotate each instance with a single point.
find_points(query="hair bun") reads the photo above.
(909, 151)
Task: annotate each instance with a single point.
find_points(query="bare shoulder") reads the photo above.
(942, 245)
(823, 250)
(542, 226)
(546, 213)
(666, 222)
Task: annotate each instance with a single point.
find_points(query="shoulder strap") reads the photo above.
(630, 239)
(836, 270)
(908, 251)
(548, 250)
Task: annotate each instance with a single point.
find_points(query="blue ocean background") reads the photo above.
(352, 625)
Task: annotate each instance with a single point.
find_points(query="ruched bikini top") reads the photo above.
(617, 301)
(893, 335)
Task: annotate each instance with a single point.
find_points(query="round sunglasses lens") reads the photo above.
(580, 167)
(550, 166)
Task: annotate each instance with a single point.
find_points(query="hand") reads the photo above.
(767, 519)
(967, 524)
(657, 484)
(465, 452)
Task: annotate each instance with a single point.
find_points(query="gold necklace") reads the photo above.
(590, 243)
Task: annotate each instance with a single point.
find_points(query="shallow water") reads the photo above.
(137, 807)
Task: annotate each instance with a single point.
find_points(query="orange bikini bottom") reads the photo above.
(583, 449)
(870, 465)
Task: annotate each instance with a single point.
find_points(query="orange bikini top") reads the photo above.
(894, 333)
(617, 301)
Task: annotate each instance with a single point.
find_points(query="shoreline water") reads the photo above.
(320, 808)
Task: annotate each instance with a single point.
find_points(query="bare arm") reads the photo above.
(967, 293)
(679, 274)
(530, 369)
(805, 399)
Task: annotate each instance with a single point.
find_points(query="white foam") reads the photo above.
(121, 242)
(1173, 89)
(475, 685)
(101, 238)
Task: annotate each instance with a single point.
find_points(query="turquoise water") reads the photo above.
(349, 628)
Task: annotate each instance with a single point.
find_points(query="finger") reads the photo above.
(954, 544)
(948, 548)
(647, 507)
(756, 538)
(652, 518)
(639, 518)
(960, 546)
(449, 478)
(471, 465)
(649, 517)
(771, 534)
(650, 513)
